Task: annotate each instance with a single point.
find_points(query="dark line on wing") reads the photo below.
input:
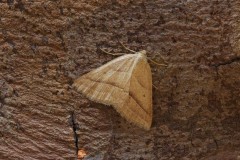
(140, 82)
(135, 99)
(98, 81)
(113, 84)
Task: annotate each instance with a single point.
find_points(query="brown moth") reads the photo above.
(124, 83)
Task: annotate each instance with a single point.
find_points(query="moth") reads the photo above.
(124, 83)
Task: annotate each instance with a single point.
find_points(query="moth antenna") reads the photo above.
(113, 54)
(126, 48)
(155, 87)
(159, 64)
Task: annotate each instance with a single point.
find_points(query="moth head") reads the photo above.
(143, 53)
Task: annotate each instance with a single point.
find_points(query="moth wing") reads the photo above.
(108, 84)
(126, 84)
(138, 106)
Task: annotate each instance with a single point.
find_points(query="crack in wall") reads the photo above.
(236, 59)
(74, 127)
(62, 40)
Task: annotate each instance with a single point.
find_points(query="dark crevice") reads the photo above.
(59, 35)
(20, 5)
(227, 62)
(10, 2)
(74, 127)
(216, 143)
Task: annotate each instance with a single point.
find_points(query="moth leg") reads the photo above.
(163, 59)
(159, 64)
(127, 48)
(155, 87)
(113, 54)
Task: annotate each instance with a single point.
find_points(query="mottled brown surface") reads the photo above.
(45, 45)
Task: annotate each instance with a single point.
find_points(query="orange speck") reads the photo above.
(81, 154)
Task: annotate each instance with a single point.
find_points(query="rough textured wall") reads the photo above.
(45, 45)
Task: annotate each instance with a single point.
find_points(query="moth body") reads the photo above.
(124, 83)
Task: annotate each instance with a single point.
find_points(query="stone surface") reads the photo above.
(45, 45)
